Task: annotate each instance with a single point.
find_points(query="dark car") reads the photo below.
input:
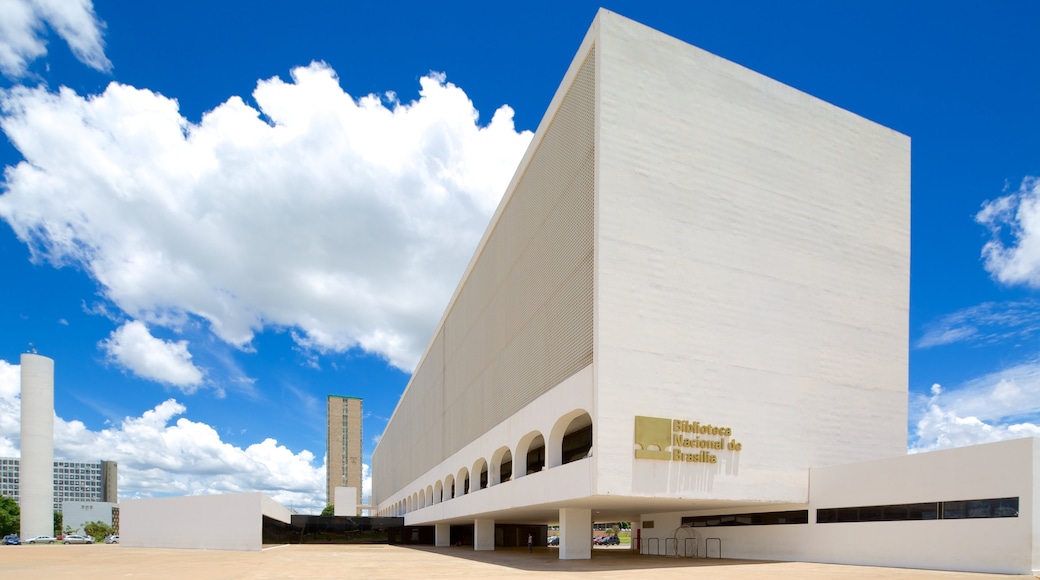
(554, 540)
(11, 540)
(610, 541)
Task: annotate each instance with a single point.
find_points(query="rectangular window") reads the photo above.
(947, 510)
(752, 519)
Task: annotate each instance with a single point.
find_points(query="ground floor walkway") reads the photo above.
(399, 562)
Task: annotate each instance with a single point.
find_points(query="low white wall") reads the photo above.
(997, 545)
(205, 522)
(994, 470)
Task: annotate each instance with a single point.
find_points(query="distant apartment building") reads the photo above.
(343, 445)
(78, 481)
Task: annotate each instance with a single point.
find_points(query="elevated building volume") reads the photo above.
(690, 311)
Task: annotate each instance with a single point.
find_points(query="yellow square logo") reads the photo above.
(653, 436)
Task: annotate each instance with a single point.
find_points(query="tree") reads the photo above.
(330, 510)
(57, 524)
(98, 530)
(10, 518)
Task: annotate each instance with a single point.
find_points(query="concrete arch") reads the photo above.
(501, 458)
(422, 499)
(429, 495)
(438, 491)
(462, 479)
(449, 487)
(530, 454)
(570, 438)
(481, 477)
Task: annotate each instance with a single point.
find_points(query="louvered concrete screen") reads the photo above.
(522, 320)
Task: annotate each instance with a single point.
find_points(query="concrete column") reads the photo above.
(484, 534)
(442, 535)
(37, 461)
(575, 534)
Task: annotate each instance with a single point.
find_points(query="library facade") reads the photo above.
(690, 311)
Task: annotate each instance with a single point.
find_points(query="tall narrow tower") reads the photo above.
(343, 445)
(37, 464)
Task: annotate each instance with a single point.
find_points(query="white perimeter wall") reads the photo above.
(752, 271)
(998, 545)
(205, 522)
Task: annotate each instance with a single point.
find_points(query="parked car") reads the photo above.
(41, 540)
(114, 539)
(77, 539)
(11, 540)
(610, 541)
(554, 540)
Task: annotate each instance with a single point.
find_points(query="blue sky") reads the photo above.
(215, 214)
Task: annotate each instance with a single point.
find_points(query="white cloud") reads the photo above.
(131, 346)
(995, 407)
(348, 219)
(23, 24)
(987, 323)
(1012, 255)
(164, 453)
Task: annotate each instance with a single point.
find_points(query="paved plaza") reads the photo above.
(398, 562)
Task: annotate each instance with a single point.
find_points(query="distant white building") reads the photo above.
(690, 311)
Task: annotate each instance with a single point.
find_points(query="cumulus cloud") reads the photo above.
(24, 23)
(162, 453)
(1012, 255)
(995, 407)
(131, 346)
(347, 219)
(987, 323)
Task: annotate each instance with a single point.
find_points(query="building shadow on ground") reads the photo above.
(548, 559)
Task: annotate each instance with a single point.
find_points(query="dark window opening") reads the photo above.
(754, 519)
(506, 470)
(536, 459)
(577, 445)
(947, 510)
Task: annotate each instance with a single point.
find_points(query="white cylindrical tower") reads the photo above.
(36, 469)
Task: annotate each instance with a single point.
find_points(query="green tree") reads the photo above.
(10, 520)
(57, 524)
(330, 510)
(98, 530)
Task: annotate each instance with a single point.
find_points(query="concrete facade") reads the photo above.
(343, 446)
(37, 446)
(693, 300)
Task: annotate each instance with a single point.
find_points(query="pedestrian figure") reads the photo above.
(530, 542)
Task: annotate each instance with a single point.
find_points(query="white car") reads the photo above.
(41, 540)
(112, 540)
(77, 539)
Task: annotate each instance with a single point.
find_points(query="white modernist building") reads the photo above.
(690, 311)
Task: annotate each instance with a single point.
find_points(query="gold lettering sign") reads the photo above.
(682, 440)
